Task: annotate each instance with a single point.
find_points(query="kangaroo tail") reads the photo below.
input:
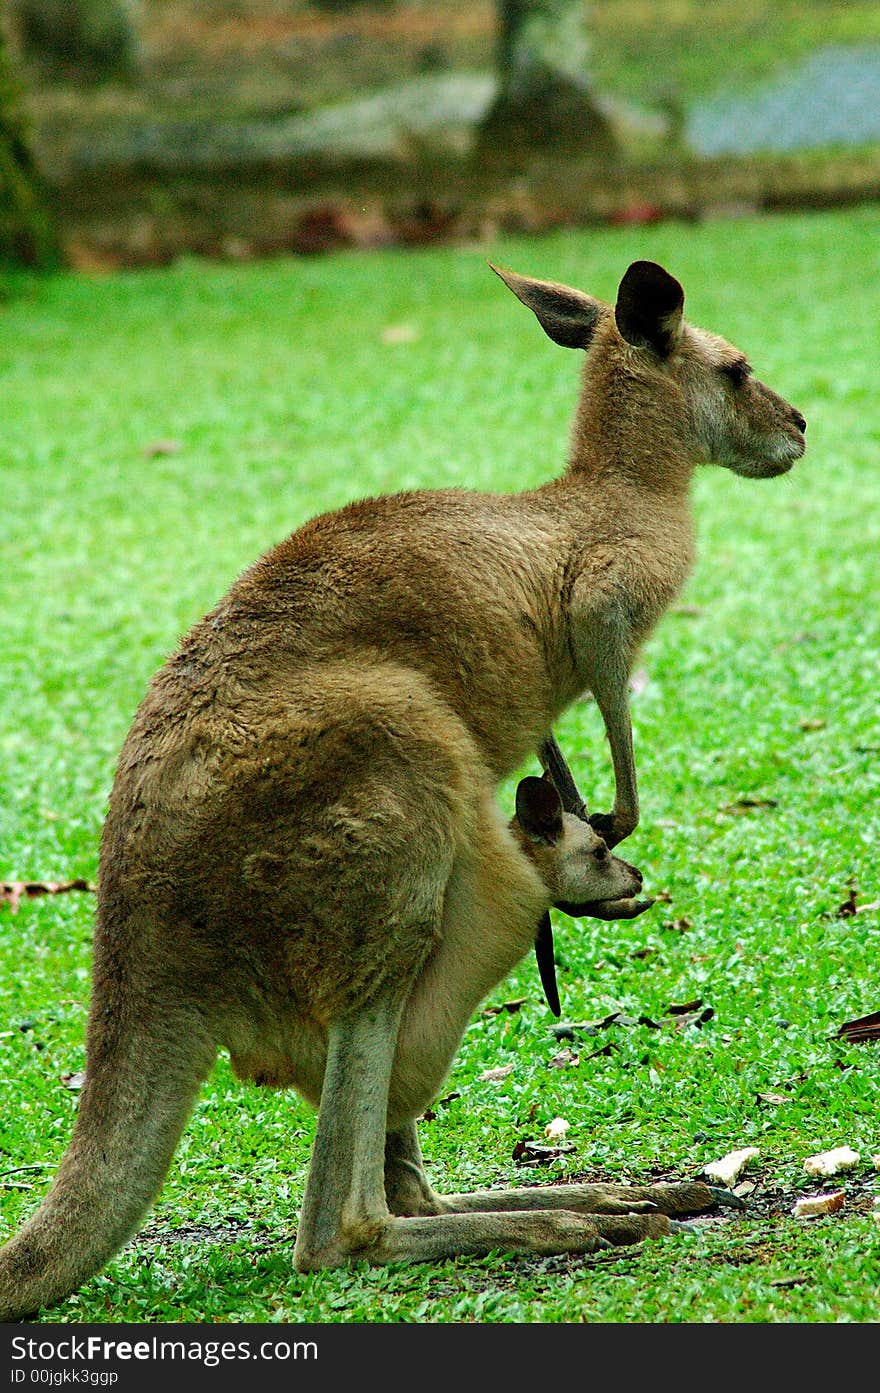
(147, 1054)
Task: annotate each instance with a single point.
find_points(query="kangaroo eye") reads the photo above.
(737, 372)
(601, 852)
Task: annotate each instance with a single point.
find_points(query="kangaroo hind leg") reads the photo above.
(345, 1213)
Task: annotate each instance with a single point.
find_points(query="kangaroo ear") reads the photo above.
(649, 307)
(539, 809)
(567, 316)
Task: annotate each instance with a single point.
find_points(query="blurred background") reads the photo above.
(132, 131)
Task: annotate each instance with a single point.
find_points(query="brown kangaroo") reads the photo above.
(303, 861)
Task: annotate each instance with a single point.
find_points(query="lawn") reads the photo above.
(285, 388)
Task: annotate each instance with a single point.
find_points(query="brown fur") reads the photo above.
(302, 859)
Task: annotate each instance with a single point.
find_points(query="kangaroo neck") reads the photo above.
(637, 447)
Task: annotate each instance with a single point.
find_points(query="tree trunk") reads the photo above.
(25, 230)
(544, 98)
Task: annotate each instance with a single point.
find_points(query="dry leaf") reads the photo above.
(875, 1162)
(532, 1153)
(729, 1168)
(746, 805)
(430, 1113)
(684, 1008)
(564, 1059)
(842, 1158)
(12, 891)
(811, 723)
(556, 1129)
(688, 611)
(593, 1027)
(678, 925)
(862, 1029)
(773, 1100)
(162, 447)
(694, 1018)
(399, 333)
(850, 904)
(73, 1081)
(810, 1206)
(512, 1006)
(496, 1075)
(641, 953)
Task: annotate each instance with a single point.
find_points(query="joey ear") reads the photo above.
(539, 809)
(568, 317)
(649, 307)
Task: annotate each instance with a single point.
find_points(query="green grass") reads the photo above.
(276, 382)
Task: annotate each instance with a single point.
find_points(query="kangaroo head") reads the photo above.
(656, 386)
(572, 859)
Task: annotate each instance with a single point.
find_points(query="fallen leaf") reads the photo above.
(73, 1081)
(745, 1187)
(850, 904)
(862, 1029)
(663, 897)
(683, 1008)
(496, 1075)
(565, 1059)
(12, 891)
(739, 806)
(678, 925)
(811, 723)
(729, 1168)
(606, 1050)
(842, 1158)
(789, 1281)
(805, 637)
(641, 953)
(593, 1027)
(399, 333)
(875, 1162)
(512, 1006)
(773, 1100)
(430, 1113)
(694, 1018)
(556, 1128)
(868, 908)
(810, 1206)
(162, 447)
(689, 611)
(532, 1153)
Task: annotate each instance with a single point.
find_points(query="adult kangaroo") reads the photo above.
(303, 860)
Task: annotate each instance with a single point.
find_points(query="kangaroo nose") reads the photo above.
(799, 421)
